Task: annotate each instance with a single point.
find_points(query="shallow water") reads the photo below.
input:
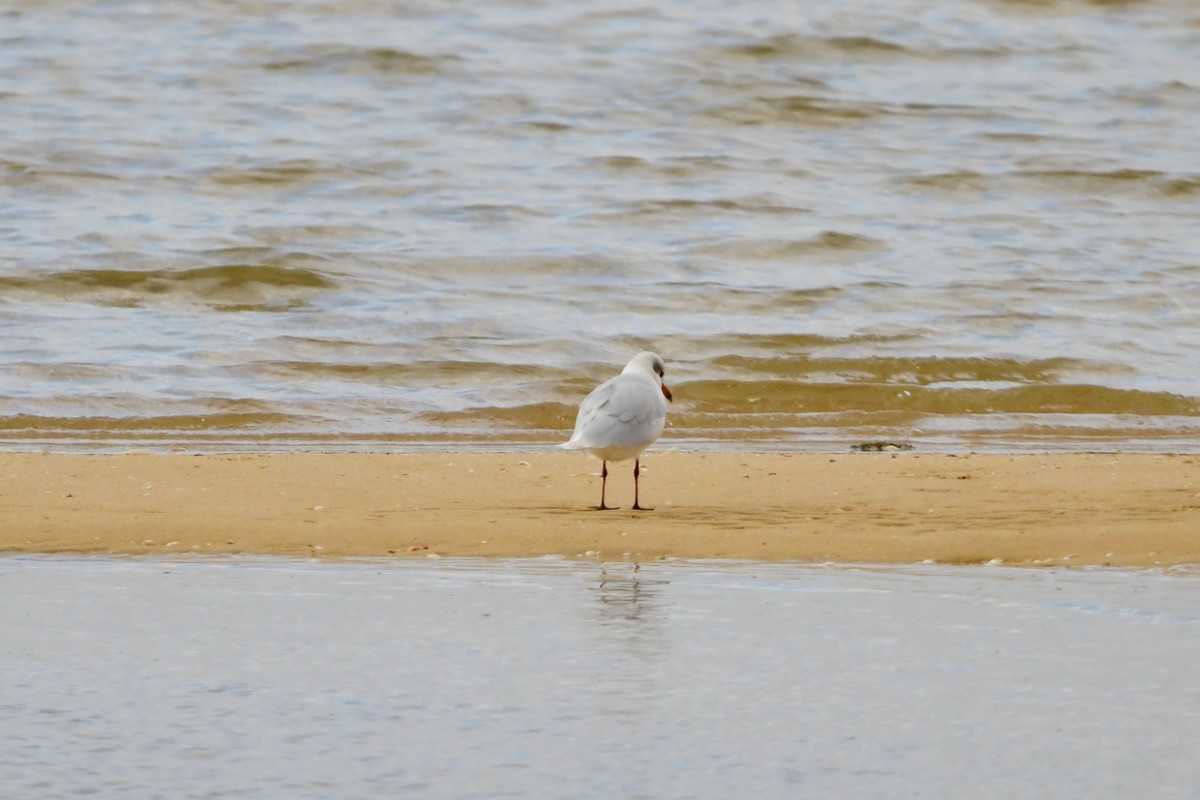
(354, 224)
(470, 678)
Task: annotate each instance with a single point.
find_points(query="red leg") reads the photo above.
(637, 470)
(603, 485)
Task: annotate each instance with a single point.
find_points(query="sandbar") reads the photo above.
(1054, 509)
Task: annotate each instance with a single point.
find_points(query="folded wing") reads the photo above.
(623, 412)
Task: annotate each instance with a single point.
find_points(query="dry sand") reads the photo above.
(1129, 510)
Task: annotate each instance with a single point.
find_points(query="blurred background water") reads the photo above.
(967, 223)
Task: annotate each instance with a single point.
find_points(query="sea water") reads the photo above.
(371, 224)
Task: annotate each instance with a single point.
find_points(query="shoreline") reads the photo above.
(1132, 510)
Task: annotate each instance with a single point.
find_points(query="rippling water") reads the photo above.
(266, 678)
(353, 224)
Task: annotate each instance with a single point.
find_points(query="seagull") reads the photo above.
(622, 417)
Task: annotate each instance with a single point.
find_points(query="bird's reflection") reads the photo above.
(627, 597)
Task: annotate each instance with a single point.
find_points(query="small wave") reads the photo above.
(283, 173)
(548, 126)
(799, 110)
(959, 180)
(782, 396)
(1181, 187)
(1058, 7)
(792, 46)
(291, 234)
(706, 298)
(25, 175)
(825, 243)
(810, 49)
(261, 287)
(531, 416)
(1083, 182)
(676, 167)
(650, 211)
(444, 374)
(769, 345)
(773, 341)
(494, 212)
(920, 371)
(43, 425)
(524, 267)
(1090, 182)
(348, 59)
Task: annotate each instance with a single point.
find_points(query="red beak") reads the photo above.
(667, 393)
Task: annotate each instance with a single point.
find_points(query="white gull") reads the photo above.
(622, 417)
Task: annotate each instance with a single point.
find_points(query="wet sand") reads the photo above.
(1127, 510)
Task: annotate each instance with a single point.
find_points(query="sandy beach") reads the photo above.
(1128, 510)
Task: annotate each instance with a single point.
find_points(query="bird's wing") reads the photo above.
(622, 411)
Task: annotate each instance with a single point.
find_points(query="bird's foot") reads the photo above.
(636, 507)
(603, 507)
